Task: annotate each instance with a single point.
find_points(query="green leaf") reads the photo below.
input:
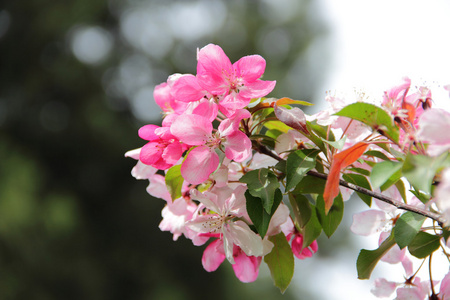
(424, 244)
(312, 229)
(372, 116)
(310, 185)
(280, 261)
(301, 207)
(382, 172)
(361, 181)
(281, 166)
(407, 227)
(360, 171)
(330, 221)
(420, 170)
(445, 234)
(298, 164)
(174, 182)
(258, 214)
(278, 125)
(400, 185)
(368, 259)
(336, 144)
(377, 154)
(421, 196)
(262, 183)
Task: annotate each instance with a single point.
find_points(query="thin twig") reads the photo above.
(401, 205)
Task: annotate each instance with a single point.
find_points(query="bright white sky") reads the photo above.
(375, 44)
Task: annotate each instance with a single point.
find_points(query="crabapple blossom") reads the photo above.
(435, 130)
(163, 149)
(226, 160)
(201, 161)
(237, 83)
(224, 208)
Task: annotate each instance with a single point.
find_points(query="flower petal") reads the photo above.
(213, 256)
(199, 164)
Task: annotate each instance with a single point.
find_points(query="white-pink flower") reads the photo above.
(434, 129)
(224, 206)
(441, 195)
(201, 161)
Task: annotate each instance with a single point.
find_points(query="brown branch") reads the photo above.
(401, 205)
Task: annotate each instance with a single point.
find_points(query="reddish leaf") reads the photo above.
(411, 111)
(340, 161)
(294, 117)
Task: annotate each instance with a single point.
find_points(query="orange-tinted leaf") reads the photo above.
(340, 161)
(411, 111)
(286, 100)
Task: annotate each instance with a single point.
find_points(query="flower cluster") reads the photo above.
(257, 178)
(211, 204)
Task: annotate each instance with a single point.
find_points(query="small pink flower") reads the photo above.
(299, 251)
(246, 268)
(237, 83)
(201, 161)
(163, 149)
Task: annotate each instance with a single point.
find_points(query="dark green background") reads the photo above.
(74, 224)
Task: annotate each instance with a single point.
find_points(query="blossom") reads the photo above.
(141, 170)
(224, 206)
(163, 149)
(238, 83)
(434, 129)
(201, 161)
(441, 195)
(245, 267)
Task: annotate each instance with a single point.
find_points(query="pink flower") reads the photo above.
(299, 251)
(417, 290)
(384, 288)
(163, 150)
(435, 130)
(444, 291)
(245, 267)
(201, 161)
(222, 206)
(238, 83)
(141, 170)
(441, 195)
(163, 95)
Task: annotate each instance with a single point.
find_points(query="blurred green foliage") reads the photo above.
(74, 224)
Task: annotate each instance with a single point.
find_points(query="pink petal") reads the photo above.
(241, 235)
(192, 129)
(250, 68)
(368, 222)
(213, 68)
(445, 287)
(238, 146)
(163, 97)
(259, 88)
(147, 132)
(172, 153)
(231, 103)
(157, 188)
(383, 288)
(151, 155)
(246, 267)
(187, 89)
(213, 256)
(199, 164)
(206, 108)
